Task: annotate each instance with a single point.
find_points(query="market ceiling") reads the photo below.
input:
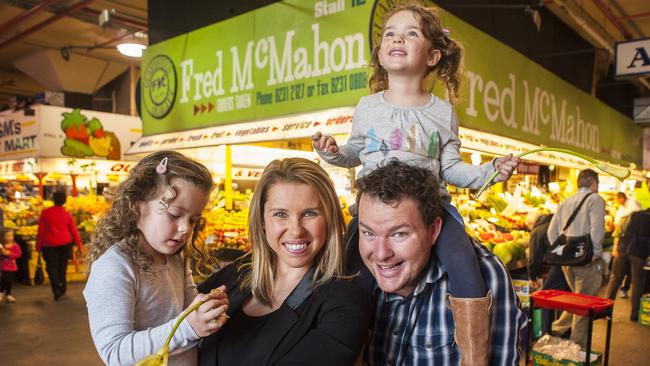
(42, 32)
(37, 35)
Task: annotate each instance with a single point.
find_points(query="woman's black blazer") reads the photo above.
(323, 326)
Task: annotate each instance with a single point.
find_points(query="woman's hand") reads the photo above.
(210, 316)
(325, 143)
(505, 166)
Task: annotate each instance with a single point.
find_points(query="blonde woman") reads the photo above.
(289, 297)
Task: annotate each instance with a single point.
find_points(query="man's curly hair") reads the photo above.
(396, 180)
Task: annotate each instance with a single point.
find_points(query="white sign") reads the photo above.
(18, 135)
(84, 166)
(331, 121)
(633, 58)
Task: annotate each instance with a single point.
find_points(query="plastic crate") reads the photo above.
(578, 304)
(542, 359)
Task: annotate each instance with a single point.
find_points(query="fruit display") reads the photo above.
(509, 246)
(504, 223)
(498, 221)
(22, 215)
(86, 210)
(227, 229)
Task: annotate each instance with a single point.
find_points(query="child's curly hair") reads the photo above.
(449, 69)
(118, 226)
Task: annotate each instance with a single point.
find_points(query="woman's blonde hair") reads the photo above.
(449, 69)
(329, 261)
(118, 226)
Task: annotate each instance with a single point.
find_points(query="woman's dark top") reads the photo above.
(235, 345)
(327, 325)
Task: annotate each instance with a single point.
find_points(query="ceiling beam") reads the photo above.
(24, 15)
(612, 18)
(78, 6)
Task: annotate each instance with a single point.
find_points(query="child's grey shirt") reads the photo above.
(131, 313)
(425, 136)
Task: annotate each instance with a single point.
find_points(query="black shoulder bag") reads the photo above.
(571, 250)
(38, 273)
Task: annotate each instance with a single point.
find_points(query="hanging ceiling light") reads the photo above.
(134, 45)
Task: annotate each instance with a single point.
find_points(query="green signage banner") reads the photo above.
(289, 57)
(304, 55)
(507, 94)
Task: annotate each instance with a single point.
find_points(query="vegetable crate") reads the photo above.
(542, 359)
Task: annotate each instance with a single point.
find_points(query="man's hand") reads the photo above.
(325, 143)
(505, 166)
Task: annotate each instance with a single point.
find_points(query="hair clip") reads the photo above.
(445, 32)
(162, 167)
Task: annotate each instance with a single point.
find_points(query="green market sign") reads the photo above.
(300, 56)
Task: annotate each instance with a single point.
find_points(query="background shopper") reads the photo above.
(57, 233)
(542, 277)
(627, 206)
(9, 252)
(633, 250)
(590, 220)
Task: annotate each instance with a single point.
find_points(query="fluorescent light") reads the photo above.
(131, 49)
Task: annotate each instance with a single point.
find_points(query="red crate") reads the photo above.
(578, 304)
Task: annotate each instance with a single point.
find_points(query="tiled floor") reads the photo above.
(37, 330)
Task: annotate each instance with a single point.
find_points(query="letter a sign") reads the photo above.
(633, 58)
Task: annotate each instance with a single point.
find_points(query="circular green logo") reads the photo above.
(159, 86)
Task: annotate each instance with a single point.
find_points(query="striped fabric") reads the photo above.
(419, 329)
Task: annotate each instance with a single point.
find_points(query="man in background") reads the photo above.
(590, 219)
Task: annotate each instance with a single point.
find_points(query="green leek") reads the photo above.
(619, 172)
(160, 358)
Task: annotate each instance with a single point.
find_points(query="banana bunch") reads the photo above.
(101, 146)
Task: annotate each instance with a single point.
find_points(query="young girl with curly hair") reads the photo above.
(140, 281)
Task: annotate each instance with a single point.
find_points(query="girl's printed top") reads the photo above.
(425, 136)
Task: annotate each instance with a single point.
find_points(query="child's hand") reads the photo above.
(325, 143)
(210, 316)
(505, 166)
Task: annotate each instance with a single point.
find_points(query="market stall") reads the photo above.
(46, 148)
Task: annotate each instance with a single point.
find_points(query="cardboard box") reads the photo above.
(644, 319)
(542, 359)
(645, 304)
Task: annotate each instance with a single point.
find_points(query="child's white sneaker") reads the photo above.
(10, 298)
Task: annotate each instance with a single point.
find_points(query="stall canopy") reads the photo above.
(313, 56)
(64, 140)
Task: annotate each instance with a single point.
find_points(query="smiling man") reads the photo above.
(399, 222)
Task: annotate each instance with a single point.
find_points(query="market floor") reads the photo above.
(37, 330)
